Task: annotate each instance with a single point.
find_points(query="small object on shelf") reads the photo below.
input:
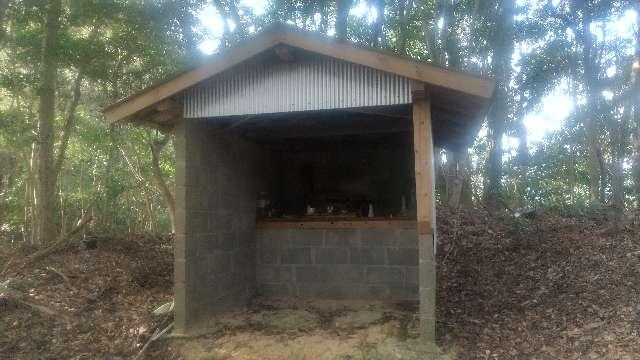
(370, 210)
(262, 204)
(310, 210)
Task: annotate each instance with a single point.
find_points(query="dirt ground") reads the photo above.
(542, 288)
(303, 329)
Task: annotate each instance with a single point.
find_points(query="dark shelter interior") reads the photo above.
(332, 165)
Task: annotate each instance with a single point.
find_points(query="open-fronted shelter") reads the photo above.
(304, 167)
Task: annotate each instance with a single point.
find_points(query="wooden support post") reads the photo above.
(425, 206)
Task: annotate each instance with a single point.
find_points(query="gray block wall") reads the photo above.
(380, 264)
(217, 179)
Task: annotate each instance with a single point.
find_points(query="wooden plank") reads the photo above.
(337, 224)
(416, 70)
(423, 158)
(183, 81)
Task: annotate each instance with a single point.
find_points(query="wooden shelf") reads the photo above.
(337, 223)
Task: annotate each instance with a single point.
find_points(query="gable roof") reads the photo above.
(454, 82)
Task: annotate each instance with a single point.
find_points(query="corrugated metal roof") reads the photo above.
(261, 86)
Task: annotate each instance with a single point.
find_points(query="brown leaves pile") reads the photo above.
(564, 289)
(544, 288)
(106, 313)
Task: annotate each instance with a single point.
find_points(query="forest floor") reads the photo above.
(545, 288)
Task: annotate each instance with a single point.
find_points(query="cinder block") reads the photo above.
(295, 256)
(425, 245)
(403, 292)
(227, 240)
(411, 276)
(384, 275)
(306, 237)
(427, 277)
(224, 220)
(275, 274)
(182, 226)
(184, 247)
(222, 263)
(275, 290)
(377, 291)
(273, 238)
(407, 238)
(322, 291)
(342, 238)
(402, 256)
(347, 274)
(179, 271)
(207, 243)
(267, 255)
(311, 273)
(180, 308)
(331, 256)
(368, 256)
(378, 237)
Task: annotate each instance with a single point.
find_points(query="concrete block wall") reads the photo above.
(217, 180)
(379, 264)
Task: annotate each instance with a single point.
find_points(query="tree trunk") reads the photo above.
(466, 197)
(67, 128)
(3, 10)
(158, 178)
(636, 114)
(401, 46)
(590, 121)
(235, 16)
(230, 12)
(43, 229)
(618, 146)
(376, 31)
(342, 15)
(27, 228)
(455, 179)
(441, 181)
(324, 20)
(521, 164)
(501, 65)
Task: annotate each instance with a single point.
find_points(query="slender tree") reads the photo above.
(342, 16)
(158, 179)
(501, 69)
(636, 110)
(377, 27)
(590, 119)
(43, 227)
(403, 29)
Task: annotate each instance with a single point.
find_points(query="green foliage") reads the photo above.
(122, 46)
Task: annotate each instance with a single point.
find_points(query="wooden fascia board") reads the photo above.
(411, 69)
(135, 103)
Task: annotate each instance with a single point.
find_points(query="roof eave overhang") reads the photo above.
(465, 84)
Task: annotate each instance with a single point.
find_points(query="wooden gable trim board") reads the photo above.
(430, 74)
(154, 94)
(408, 68)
